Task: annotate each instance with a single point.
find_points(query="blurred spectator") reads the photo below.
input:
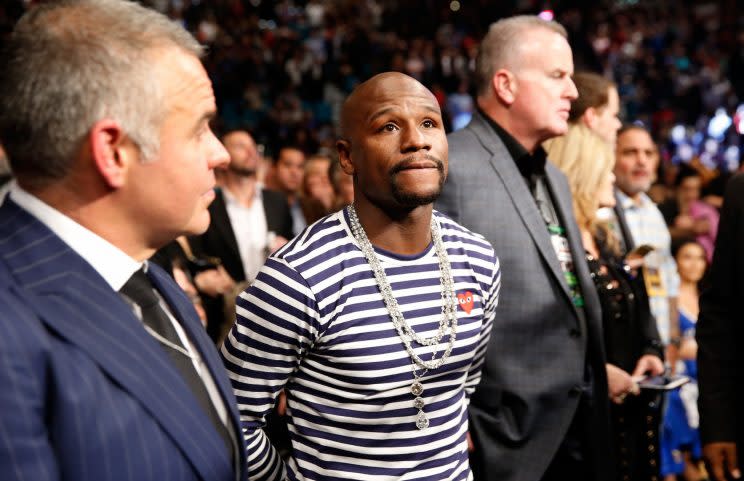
(631, 340)
(688, 216)
(636, 159)
(597, 107)
(317, 189)
(286, 177)
(247, 223)
(681, 452)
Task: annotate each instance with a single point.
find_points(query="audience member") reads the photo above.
(248, 223)
(346, 315)
(541, 410)
(106, 370)
(720, 356)
(317, 188)
(687, 215)
(597, 107)
(636, 160)
(286, 177)
(631, 341)
(681, 451)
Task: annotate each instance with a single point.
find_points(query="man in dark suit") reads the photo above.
(106, 372)
(719, 335)
(541, 409)
(248, 223)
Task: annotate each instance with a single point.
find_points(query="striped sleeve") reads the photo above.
(491, 293)
(277, 321)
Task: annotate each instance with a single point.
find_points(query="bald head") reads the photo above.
(393, 143)
(361, 103)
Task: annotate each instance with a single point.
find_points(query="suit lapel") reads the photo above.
(182, 309)
(221, 221)
(76, 303)
(516, 187)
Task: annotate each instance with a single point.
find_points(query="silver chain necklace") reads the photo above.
(448, 321)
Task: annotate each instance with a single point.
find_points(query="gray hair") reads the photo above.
(503, 38)
(71, 63)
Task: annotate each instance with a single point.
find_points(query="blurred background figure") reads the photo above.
(318, 195)
(248, 223)
(637, 158)
(286, 176)
(632, 344)
(597, 107)
(681, 451)
(687, 215)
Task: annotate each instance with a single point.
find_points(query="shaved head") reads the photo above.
(358, 104)
(393, 143)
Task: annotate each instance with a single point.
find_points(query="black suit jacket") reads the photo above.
(720, 329)
(535, 364)
(219, 239)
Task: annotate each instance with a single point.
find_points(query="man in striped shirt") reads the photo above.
(375, 319)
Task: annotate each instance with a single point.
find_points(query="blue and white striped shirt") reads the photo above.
(315, 324)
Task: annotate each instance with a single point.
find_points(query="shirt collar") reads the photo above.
(109, 261)
(231, 199)
(626, 202)
(528, 164)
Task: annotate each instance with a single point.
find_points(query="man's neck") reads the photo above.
(242, 188)
(499, 114)
(404, 233)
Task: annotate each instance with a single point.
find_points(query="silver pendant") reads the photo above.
(422, 422)
(419, 403)
(417, 389)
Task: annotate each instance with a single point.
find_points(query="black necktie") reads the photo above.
(140, 290)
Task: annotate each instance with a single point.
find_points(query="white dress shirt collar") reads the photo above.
(109, 261)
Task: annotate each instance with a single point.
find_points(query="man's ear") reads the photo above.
(344, 156)
(504, 85)
(112, 152)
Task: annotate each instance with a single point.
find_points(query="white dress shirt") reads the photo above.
(251, 231)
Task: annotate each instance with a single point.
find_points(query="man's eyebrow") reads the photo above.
(206, 117)
(381, 112)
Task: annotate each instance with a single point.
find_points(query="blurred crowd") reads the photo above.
(281, 71)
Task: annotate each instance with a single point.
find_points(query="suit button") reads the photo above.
(574, 391)
(574, 333)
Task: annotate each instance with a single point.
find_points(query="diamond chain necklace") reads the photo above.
(448, 320)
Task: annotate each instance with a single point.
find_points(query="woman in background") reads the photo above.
(680, 440)
(631, 340)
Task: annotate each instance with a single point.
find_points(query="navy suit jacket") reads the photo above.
(86, 393)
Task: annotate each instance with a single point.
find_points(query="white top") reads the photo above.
(314, 322)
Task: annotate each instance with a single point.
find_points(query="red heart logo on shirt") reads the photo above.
(466, 301)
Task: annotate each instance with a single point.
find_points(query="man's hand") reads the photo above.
(722, 458)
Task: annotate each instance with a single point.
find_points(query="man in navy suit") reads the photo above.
(104, 113)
